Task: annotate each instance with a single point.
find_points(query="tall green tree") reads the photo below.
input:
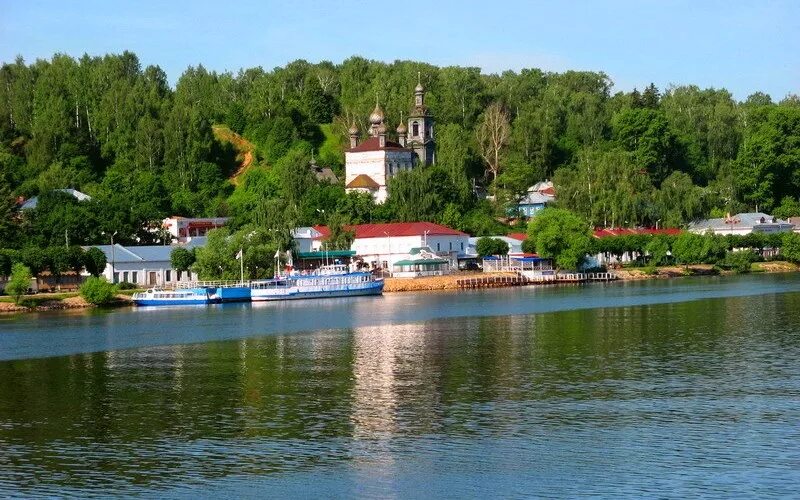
(560, 235)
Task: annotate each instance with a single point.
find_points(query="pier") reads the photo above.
(526, 278)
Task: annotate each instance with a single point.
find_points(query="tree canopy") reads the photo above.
(143, 150)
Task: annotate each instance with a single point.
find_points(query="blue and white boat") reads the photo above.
(182, 297)
(327, 281)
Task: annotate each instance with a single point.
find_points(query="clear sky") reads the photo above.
(742, 46)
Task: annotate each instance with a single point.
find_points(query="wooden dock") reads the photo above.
(520, 280)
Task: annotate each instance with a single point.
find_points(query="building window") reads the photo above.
(168, 277)
(415, 129)
(116, 278)
(125, 276)
(462, 246)
(179, 276)
(385, 265)
(134, 276)
(451, 246)
(438, 247)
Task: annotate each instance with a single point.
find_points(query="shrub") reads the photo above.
(19, 282)
(739, 262)
(126, 285)
(98, 291)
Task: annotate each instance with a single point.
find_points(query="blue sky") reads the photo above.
(742, 46)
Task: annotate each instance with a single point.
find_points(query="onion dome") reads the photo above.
(402, 129)
(353, 130)
(419, 88)
(376, 118)
(381, 129)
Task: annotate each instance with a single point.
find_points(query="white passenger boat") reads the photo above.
(327, 281)
(187, 296)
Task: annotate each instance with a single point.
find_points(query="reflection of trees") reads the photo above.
(281, 403)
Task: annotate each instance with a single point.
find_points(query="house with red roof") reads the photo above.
(604, 259)
(382, 246)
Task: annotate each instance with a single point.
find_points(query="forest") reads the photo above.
(144, 150)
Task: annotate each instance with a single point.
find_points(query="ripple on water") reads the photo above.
(680, 399)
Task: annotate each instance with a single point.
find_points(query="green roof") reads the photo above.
(329, 253)
(423, 262)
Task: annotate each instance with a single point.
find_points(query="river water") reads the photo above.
(672, 388)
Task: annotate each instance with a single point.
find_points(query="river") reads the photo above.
(668, 388)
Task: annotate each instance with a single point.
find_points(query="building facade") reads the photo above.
(381, 246)
(143, 265)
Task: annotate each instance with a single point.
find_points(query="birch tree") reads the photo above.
(492, 134)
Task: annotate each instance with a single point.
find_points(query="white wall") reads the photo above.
(393, 249)
(143, 270)
(371, 163)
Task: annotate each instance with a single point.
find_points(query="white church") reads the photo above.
(370, 164)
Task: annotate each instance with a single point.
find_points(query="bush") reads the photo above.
(97, 291)
(126, 285)
(19, 282)
(739, 262)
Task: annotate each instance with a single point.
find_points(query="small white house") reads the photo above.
(183, 229)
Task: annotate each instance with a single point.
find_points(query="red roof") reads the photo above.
(395, 229)
(518, 236)
(373, 144)
(621, 231)
(548, 191)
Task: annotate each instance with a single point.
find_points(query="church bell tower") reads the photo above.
(420, 127)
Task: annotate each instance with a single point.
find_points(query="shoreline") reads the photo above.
(423, 284)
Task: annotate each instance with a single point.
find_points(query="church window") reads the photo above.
(415, 129)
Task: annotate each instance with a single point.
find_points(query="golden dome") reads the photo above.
(376, 118)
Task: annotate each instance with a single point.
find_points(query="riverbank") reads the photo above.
(55, 302)
(643, 273)
(64, 301)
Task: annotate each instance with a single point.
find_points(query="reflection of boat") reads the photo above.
(188, 296)
(327, 281)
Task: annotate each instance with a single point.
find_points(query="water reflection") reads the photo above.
(689, 398)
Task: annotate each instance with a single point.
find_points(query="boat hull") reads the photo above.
(173, 302)
(374, 288)
(233, 294)
(191, 297)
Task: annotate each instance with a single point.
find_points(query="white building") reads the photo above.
(143, 265)
(383, 245)
(183, 229)
(307, 239)
(741, 224)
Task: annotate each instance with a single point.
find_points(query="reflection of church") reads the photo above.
(370, 164)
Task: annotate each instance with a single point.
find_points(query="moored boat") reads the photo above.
(327, 281)
(183, 297)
